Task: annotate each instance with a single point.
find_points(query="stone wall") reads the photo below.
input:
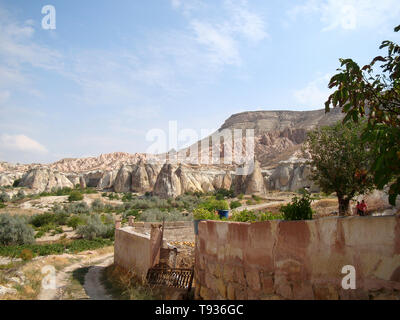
(132, 251)
(298, 259)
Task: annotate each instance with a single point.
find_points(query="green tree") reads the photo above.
(75, 196)
(362, 92)
(340, 161)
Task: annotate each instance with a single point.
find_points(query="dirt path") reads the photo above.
(63, 277)
(264, 205)
(93, 286)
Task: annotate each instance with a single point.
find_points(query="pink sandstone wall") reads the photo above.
(298, 259)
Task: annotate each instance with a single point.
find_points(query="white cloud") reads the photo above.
(222, 40)
(20, 142)
(349, 14)
(314, 94)
(221, 45)
(249, 24)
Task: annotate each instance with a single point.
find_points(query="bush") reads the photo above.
(20, 195)
(4, 197)
(95, 228)
(78, 207)
(250, 216)
(152, 215)
(240, 196)
(75, 221)
(97, 205)
(15, 231)
(298, 209)
(204, 214)
(235, 204)
(39, 220)
(74, 246)
(26, 255)
(75, 196)
(212, 205)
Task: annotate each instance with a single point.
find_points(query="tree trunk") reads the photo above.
(344, 205)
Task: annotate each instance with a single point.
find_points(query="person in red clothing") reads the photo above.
(363, 207)
(358, 208)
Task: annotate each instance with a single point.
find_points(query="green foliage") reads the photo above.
(235, 204)
(75, 221)
(74, 246)
(77, 207)
(362, 93)
(340, 161)
(4, 197)
(251, 216)
(97, 205)
(75, 196)
(221, 194)
(211, 204)
(240, 196)
(151, 215)
(204, 214)
(39, 220)
(127, 197)
(14, 230)
(95, 228)
(298, 209)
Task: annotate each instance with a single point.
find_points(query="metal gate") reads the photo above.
(171, 277)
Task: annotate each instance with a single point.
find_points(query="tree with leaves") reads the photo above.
(340, 161)
(364, 93)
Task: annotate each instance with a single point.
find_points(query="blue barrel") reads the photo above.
(223, 214)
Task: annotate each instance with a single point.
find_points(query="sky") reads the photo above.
(112, 71)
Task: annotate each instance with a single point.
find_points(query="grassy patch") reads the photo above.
(73, 246)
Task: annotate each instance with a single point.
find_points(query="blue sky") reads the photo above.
(113, 70)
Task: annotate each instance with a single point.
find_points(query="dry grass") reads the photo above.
(126, 285)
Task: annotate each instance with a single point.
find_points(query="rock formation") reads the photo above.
(278, 139)
(43, 179)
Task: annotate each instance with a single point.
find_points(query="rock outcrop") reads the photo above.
(278, 139)
(252, 183)
(43, 179)
(291, 176)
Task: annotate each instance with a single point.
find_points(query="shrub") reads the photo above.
(4, 197)
(61, 218)
(15, 231)
(251, 216)
(78, 207)
(240, 196)
(132, 212)
(244, 216)
(39, 220)
(212, 205)
(256, 198)
(95, 228)
(26, 255)
(97, 205)
(75, 196)
(204, 214)
(298, 209)
(20, 195)
(235, 204)
(75, 221)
